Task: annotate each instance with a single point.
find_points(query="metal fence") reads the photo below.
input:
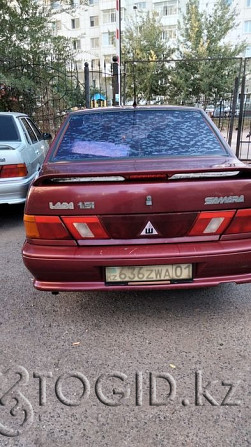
(229, 104)
(47, 92)
(41, 89)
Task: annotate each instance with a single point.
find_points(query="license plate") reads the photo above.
(149, 273)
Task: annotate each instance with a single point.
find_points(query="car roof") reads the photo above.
(131, 108)
(15, 114)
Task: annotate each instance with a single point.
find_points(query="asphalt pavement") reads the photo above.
(120, 369)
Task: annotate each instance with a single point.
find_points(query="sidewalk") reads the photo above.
(224, 132)
(245, 144)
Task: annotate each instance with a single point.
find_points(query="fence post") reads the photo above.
(87, 85)
(115, 81)
(124, 83)
(233, 110)
(241, 114)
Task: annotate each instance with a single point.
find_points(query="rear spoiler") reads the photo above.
(121, 176)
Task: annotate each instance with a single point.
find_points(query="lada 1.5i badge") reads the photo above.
(139, 198)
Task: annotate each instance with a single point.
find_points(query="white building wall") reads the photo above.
(91, 27)
(243, 30)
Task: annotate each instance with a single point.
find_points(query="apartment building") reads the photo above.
(91, 28)
(243, 29)
(91, 25)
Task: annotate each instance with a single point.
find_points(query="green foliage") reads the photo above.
(202, 36)
(142, 41)
(30, 55)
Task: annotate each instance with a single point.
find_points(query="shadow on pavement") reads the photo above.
(11, 215)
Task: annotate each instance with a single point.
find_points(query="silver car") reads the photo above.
(22, 151)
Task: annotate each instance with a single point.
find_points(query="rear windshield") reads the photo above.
(137, 134)
(8, 129)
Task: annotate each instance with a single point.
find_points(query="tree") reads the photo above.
(202, 37)
(30, 55)
(143, 53)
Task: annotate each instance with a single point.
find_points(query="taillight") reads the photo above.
(211, 223)
(45, 227)
(10, 171)
(85, 227)
(241, 223)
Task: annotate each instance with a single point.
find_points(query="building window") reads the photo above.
(166, 8)
(74, 23)
(93, 2)
(55, 4)
(78, 66)
(94, 21)
(248, 3)
(95, 64)
(109, 16)
(247, 26)
(169, 32)
(140, 5)
(94, 43)
(76, 44)
(248, 52)
(108, 64)
(169, 10)
(108, 38)
(56, 26)
(107, 60)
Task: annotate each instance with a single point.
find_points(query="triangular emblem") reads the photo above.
(149, 230)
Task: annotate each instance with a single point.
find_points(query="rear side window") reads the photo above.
(35, 129)
(8, 129)
(29, 130)
(137, 134)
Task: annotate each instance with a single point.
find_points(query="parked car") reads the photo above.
(22, 151)
(224, 111)
(209, 109)
(139, 198)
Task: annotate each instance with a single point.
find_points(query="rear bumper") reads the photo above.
(72, 268)
(14, 191)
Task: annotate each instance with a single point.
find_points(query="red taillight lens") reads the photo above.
(45, 227)
(241, 223)
(10, 171)
(211, 223)
(85, 227)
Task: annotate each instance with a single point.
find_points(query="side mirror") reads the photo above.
(46, 136)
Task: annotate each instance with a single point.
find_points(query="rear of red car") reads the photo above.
(139, 198)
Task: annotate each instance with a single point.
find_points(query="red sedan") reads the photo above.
(139, 198)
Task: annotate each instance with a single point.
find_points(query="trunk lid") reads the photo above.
(10, 153)
(161, 201)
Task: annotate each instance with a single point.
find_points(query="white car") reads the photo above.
(209, 109)
(22, 151)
